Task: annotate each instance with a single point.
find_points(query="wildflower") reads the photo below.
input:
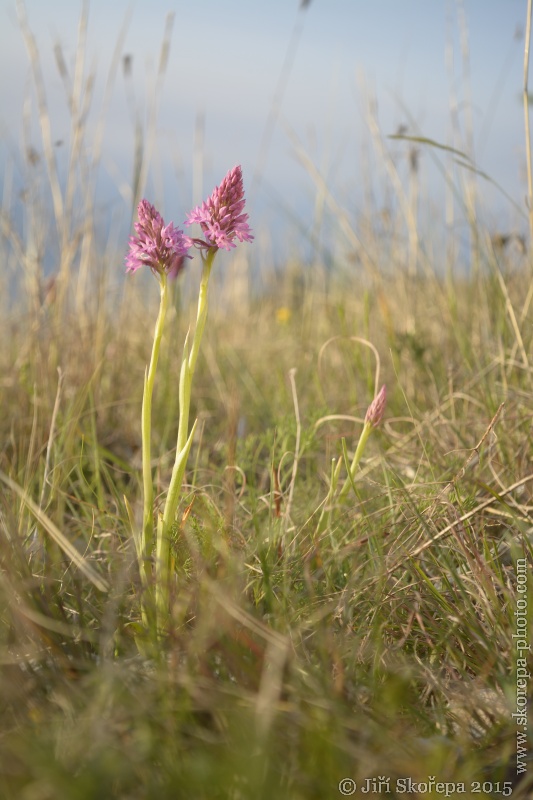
(373, 417)
(283, 314)
(376, 408)
(221, 216)
(158, 246)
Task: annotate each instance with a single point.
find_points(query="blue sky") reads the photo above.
(224, 67)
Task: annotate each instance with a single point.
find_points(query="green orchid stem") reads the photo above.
(183, 446)
(189, 365)
(147, 538)
(367, 429)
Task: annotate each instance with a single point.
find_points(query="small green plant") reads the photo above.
(373, 417)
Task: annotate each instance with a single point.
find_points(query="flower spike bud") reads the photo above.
(222, 216)
(158, 246)
(376, 408)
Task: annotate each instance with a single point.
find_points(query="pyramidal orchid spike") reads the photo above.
(221, 217)
(161, 247)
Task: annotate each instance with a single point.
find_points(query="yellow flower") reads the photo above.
(283, 315)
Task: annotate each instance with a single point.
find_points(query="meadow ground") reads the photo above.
(375, 639)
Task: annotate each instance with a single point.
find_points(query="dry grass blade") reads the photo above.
(80, 561)
(459, 521)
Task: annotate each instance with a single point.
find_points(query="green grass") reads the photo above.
(294, 658)
(307, 643)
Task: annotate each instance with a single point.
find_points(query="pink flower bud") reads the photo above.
(376, 408)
